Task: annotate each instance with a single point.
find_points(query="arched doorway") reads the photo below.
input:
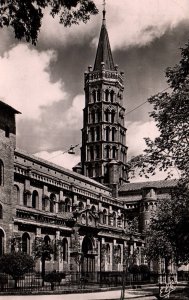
(88, 262)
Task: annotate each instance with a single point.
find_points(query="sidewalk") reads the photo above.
(111, 295)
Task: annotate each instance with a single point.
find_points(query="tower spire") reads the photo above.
(104, 11)
(104, 53)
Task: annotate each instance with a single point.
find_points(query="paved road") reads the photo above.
(88, 296)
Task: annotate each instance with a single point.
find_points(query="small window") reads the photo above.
(26, 243)
(107, 95)
(65, 249)
(34, 199)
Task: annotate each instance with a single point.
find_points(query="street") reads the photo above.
(85, 296)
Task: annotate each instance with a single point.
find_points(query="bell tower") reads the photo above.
(104, 151)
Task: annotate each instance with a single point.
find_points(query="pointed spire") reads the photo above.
(104, 53)
(104, 12)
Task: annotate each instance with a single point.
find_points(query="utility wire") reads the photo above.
(144, 102)
(73, 147)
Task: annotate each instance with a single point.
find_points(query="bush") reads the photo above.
(52, 278)
(144, 269)
(134, 269)
(16, 264)
(3, 280)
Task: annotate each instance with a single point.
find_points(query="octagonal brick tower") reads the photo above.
(104, 150)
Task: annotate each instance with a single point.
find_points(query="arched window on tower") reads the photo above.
(97, 151)
(35, 198)
(98, 113)
(113, 134)
(107, 134)
(107, 95)
(26, 243)
(91, 153)
(106, 174)
(1, 173)
(94, 95)
(98, 95)
(1, 211)
(106, 113)
(113, 116)
(98, 133)
(112, 96)
(93, 116)
(107, 151)
(92, 134)
(65, 249)
(96, 170)
(114, 152)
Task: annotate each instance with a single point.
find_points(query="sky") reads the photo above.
(45, 82)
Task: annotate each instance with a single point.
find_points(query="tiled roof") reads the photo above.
(136, 186)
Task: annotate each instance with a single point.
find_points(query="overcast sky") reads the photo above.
(45, 82)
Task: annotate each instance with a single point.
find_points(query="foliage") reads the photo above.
(168, 235)
(53, 277)
(16, 264)
(3, 279)
(25, 17)
(171, 114)
(134, 269)
(144, 269)
(42, 249)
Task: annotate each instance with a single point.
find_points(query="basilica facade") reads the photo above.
(92, 217)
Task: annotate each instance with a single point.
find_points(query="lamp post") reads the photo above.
(126, 259)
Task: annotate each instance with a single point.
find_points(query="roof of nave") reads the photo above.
(136, 186)
(29, 159)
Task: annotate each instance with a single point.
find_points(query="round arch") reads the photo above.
(26, 243)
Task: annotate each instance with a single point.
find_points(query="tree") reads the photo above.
(168, 234)
(171, 114)
(25, 17)
(43, 249)
(16, 264)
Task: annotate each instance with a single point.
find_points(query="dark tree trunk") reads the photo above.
(43, 269)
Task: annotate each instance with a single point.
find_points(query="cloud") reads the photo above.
(73, 117)
(135, 136)
(136, 144)
(65, 160)
(130, 23)
(26, 82)
(57, 127)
